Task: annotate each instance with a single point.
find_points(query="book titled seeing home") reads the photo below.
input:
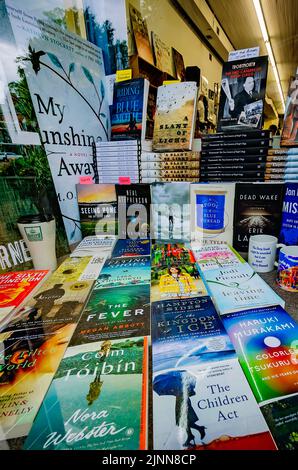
(129, 110)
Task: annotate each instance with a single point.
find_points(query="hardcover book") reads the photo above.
(289, 218)
(239, 288)
(234, 144)
(264, 340)
(234, 151)
(129, 110)
(289, 135)
(97, 208)
(238, 135)
(212, 212)
(178, 65)
(170, 157)
(215, 256)
(141, 36)
(118, 272)
(128, 248)
(134, 205)
(175, 116)
(107, 409)
(111, 313)
(29, 359)
(174, 274)
(243, 87)
(162, 54)
(170, 211)
(257, 211)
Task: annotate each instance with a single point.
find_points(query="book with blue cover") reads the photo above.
(96, 400)
(118, 272)
(129, 110)
(238, 288)
(128, 248)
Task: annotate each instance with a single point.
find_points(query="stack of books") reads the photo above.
(234, 156)
(115, 159)
(282, 164)
(169, 166)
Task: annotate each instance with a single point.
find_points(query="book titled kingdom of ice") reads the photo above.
(238, 288)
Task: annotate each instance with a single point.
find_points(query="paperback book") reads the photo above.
(170, 211)
(111, 313)
(215, 256)
(175, 117)
(129, 248)
(118, 272)
(264, 339)
(107, 409)
(238, 288)
(134, 205)
(257, 211)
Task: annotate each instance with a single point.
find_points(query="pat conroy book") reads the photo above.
(212, 212)
(169, 157)
(175, 117)
(29, 358)
(265, 340)
(238, 288)
(281, 416)
(231, 144)
(129, 110)
(230, 152)
(97, 209)
(239, 135)
(170, 211)
(185, 329)
(214, 256)
(16, 288)
(207, 406)
(97, 400)
(257, 211)
(134, 202)
(112, 313)
(129, 248)
(124, 271)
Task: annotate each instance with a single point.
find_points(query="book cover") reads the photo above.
(178, 65)
(97, 209)
(128, 248)
(106, 411)
(289, 218)
(111, 313)
(243, 87)
(170, 211)
(257, 211)
(207, 406)
(151, 110)
(175, 116)
(134, 206)
(15, 289)
(212, 212)
(29, 359)
(264, 339)
(174, 274)
(162, 54)
(282, 417)
(90, 246)
(106, 27)
(215, 255)
(129, 110)
(289, 135)
(141, 36)
(118, 272)
(238, 288)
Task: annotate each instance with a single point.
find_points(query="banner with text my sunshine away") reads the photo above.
(66, 80)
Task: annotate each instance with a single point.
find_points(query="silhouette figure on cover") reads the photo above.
(45, 300)
(96, 386)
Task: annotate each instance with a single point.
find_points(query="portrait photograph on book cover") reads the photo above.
(242, 94)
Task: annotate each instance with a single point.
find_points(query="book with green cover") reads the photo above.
(118, 272)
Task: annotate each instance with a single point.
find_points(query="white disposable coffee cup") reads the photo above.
(262, 252)
(39, 233)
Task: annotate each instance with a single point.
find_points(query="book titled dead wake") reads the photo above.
(257, 212)
(175, 116)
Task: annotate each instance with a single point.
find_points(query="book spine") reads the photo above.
(234, 152)
(224, 168)
(237, 135)
(169, 165)
(242, 143)
(229, 160)
(236, 174)
(169, 173)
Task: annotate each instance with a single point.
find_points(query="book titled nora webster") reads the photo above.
(175, 117)
(129, 110)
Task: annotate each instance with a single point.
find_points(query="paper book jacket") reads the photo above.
(265, 343)
(215, 256)
(289, 136)
(105, 382)
(174, 273)
(129, 248)
(201, 399)
(97, 209)
(170, 211)
(175, 117)
(289, 218)
(29, 359)
(239, 288)
(134, 206)
(118, 272)
(113, 313)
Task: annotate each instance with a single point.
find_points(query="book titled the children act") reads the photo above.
(129, 109)
(97, 399)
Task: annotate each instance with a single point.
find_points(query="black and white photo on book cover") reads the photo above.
(243, 87)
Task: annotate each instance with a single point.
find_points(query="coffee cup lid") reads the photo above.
(34, 218)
